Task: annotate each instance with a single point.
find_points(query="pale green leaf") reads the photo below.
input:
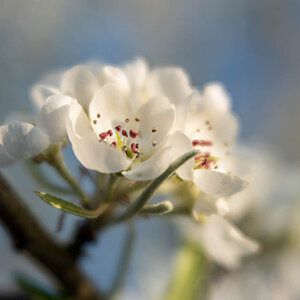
(70, 207)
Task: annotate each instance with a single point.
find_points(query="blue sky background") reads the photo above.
(252, 46)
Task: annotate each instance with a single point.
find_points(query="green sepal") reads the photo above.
(161, 208)
(70, 207)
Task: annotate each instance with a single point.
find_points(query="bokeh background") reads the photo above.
(252, 46)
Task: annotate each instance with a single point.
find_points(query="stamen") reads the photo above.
(124, 133)
(207, 122)
(154, 129)
(137, 146)
(137, 119)
(133, 134)
(133, 148)
(205, 164)
(154, 143)
(114, 144)
(195, 142)
(125, 149)
(198, 130)
(103, 135)
(201, 143)
(118, 128)
(109, 132)
(98, 116)
(95, 122)
(127, 120)
(198, 157)
(206, 154)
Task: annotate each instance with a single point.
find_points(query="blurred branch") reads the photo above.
(30, 237)
(86, 232)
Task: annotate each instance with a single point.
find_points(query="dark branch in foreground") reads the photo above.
(28, 236)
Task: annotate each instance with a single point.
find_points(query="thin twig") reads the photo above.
(30, 237)
(57, 162)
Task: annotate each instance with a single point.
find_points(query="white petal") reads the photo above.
(218, 127)
(159, 113)
(225, 243)
(95, 67)
(53, 116)
(80, 83)
(216, 97)
(111, 74)
(136, 72)
(39, 93)
(236, 165)
(5, 158)
(170, 82)
(89, 151)
(23, 140)
(181, 144)
(112, 105)
(151, 168)
(218, 184)
(208, 205)
(213, 97)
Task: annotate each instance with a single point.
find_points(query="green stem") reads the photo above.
(40, 178)
(57, 162)
(110, 187)
(190, 274)
(180, 211)
(162, 208)
(139, 203)
(136, 187)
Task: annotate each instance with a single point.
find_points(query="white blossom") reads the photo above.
(115, 134)
(211, 128)
(22, 140)
(222, 241)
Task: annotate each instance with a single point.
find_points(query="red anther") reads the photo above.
(114, 144)
(109, 132)
(103, 135)
(201, 143)
(124, 132)
(198, 157)
(205, 143)
(133, 147)
(206, 164)
(206, 154)
(118, 128)
(133, 134)
(196, 143)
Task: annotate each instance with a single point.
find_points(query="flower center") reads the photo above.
(127, 138)
(204, 160)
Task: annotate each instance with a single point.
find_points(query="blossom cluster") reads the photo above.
(134, 121)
